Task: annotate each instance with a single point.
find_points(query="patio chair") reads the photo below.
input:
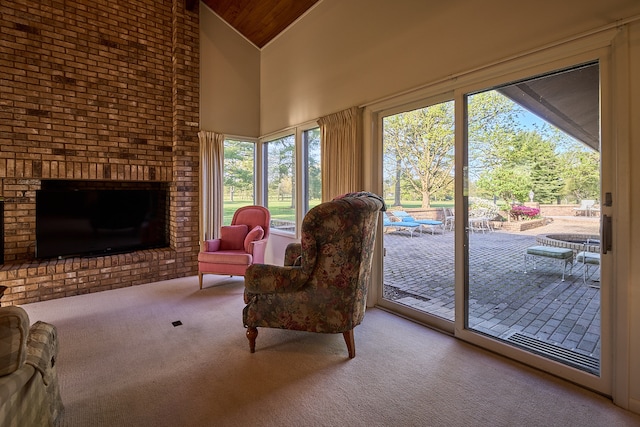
(585, 207)
(430, 223)
(588, 258)
(448, 218)
(398, 224)
(479, 220)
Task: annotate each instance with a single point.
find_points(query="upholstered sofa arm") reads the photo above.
(29, 395)
(42, 349)
(265, 278)
(14, 331)
(212, 245)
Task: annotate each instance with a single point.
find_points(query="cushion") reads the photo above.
(550, 252)
(14, 330)
(232, 237)
(256, 233)
(225, 257)
(588, 258)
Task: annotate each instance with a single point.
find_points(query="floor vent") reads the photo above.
(393, 293)
(555, 352)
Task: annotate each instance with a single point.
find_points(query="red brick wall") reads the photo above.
(100, 89)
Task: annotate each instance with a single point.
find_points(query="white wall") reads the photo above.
(350, 52)
(229, 79)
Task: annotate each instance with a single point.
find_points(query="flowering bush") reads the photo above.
(487, 207)
(520, 212)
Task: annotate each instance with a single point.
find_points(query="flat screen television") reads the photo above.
(95, 222)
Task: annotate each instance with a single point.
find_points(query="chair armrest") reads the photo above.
(291, 254)
(212, 245)
(266, 278)
(10, 387)
(42, 349)
(258, 249)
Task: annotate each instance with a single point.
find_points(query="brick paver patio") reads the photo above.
(504, 302)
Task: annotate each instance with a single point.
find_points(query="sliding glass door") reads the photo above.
(494, 224)
(418, 176)
(532, 215)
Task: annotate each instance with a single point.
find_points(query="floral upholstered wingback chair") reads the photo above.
(323, 285)
(241, 244)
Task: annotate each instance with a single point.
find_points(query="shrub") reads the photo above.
(520, 212)
(487, 207)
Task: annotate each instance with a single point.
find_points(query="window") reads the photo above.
(280, 183)
(238, 176)
(291, 171)
(312, 172)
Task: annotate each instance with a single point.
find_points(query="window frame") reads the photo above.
(301, 178)
(264, 187)
(304, 173)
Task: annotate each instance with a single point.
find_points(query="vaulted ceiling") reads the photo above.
(260, 21)
(569, 100)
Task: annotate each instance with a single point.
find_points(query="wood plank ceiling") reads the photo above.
(260, 21)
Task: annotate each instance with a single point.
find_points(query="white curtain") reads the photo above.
(341, 153)
(211, 192)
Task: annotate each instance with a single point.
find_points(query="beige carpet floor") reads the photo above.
(123, 363)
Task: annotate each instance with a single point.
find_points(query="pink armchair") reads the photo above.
(323, 284)
(240, 244)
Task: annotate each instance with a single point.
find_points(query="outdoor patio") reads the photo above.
(535, 310)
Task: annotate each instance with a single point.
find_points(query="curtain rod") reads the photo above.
(455, 76)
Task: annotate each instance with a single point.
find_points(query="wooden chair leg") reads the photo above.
(200, 279)
(252, 334)
(351, 344)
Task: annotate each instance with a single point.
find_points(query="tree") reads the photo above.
(314, 175)
(238, 167)
(546, 180)
(492, 123)
(582, 174)
(509, 183)
(507, 157)
(419, 147)
(281, 168)
(531, 161)
(502, 149)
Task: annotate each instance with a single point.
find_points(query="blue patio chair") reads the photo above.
(431, 223)
(398, 225)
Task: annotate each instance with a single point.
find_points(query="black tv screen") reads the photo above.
(82, 222)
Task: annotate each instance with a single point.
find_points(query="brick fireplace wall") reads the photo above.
(97, 90)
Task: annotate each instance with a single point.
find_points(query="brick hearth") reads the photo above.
(97, 90)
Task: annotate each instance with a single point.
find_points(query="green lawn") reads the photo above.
(282, 209)
(411, 204)
(279, 209)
